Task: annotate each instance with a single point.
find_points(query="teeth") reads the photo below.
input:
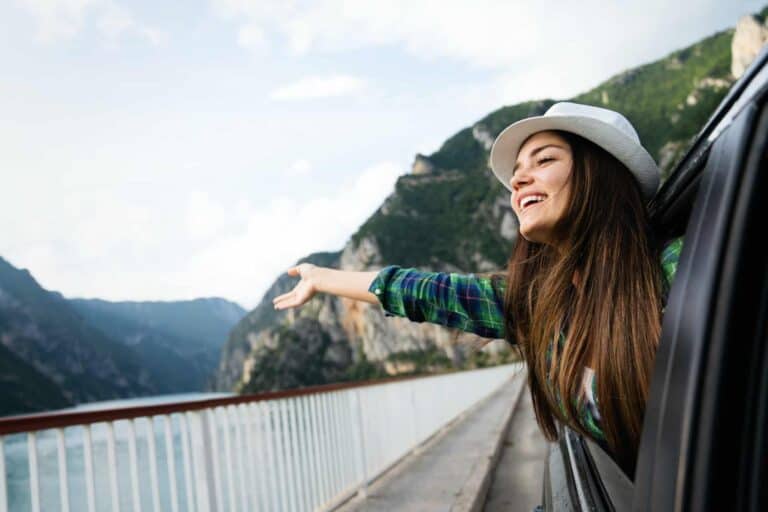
(531, 199)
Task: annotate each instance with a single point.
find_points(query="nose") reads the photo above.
(519, 178)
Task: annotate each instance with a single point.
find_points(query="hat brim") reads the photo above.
(628, 151)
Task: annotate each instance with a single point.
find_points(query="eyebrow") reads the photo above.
(533, 153)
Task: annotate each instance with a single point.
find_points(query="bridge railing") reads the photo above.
(307, 449)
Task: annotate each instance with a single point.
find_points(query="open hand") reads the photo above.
(302, 292)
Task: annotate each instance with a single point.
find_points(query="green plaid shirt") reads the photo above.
(476, 304)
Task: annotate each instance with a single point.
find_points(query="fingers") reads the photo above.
(290, 300)
(283, 301)
(281, 304)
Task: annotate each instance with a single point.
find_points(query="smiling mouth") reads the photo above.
(531, 205)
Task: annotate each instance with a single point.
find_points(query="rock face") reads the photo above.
(483, 136)
(704, 84)
(749, 38)
(302, 354)
(509, 225)
(422, 165)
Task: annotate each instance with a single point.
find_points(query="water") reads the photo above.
(17, 460)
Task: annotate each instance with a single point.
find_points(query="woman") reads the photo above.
(585, 271)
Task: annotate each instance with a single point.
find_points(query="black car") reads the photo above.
(703, 445)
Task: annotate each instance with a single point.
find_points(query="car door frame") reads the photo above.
(684, 463)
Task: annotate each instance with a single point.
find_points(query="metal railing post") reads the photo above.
(360, 434)
(414, 421)
(202, 460)
(3, 487)
(34, 477)
(90, 491)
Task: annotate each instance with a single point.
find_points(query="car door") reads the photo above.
(701, 444)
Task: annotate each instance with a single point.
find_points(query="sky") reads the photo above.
(173, 150)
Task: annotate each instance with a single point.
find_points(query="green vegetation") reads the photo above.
(437, 220)
(417, 362)
(654, 96)
(483, 358)
(363, 370)
(24, 388)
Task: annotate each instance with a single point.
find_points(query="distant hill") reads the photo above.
(181, 340)
(25, 388)
(56, 352)
(202, 323)
(45, 332)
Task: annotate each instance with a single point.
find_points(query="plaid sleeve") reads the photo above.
(463, 301)
(670, 256)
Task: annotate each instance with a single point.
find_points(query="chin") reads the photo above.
(532, 237)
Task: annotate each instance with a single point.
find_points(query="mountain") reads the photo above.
(180, 340)
(56, 352)
(450, 214)
(203, 324)
(25, 388)
(58, 348)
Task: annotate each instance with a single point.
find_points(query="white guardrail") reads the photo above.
(311, 450)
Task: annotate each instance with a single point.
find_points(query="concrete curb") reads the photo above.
(471, 497)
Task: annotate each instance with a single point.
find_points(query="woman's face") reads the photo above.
(543, 168)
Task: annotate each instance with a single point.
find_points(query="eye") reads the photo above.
(539, 161)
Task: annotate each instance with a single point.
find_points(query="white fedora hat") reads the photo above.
(606, 128)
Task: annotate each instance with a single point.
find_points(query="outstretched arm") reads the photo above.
(464, 301)
(314, 279)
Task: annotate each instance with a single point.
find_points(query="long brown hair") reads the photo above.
(612, 315)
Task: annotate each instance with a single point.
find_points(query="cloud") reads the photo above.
(480, 31)
(319, 87)
(135, 249)
(253, 38)
(242, 264)
(299, 168)
(205, 218)
(63, 19)
(530, 49)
